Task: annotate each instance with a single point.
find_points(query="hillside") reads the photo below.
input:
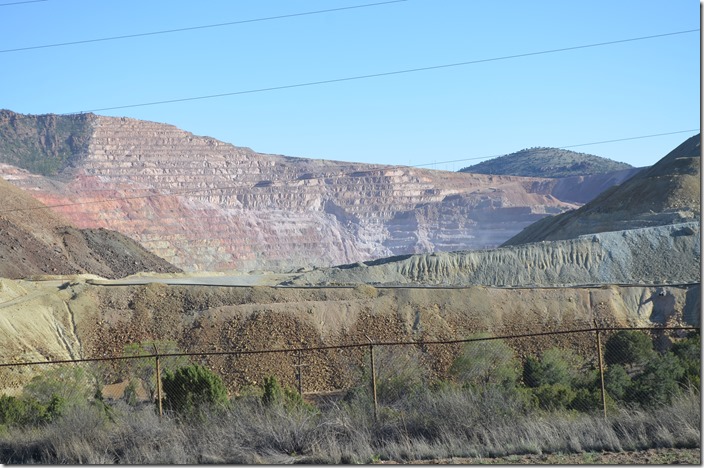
(44, 144)
(547, 162)
(207, 205)
(35, 241)
(668, 192)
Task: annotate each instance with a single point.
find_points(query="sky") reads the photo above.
(488, 106)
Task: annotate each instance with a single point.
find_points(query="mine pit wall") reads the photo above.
(103, 320)
(277, 213)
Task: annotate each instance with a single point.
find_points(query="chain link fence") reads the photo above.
(587, 370)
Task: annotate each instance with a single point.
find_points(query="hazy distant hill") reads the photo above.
(547, 162)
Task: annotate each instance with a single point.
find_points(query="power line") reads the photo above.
(377, 75)
(562, 147)
(281, 183)
(21, 3)
(193, 28)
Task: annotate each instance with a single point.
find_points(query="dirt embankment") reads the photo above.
(35, 241)
(95, 321)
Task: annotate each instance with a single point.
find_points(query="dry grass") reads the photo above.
(432, 425)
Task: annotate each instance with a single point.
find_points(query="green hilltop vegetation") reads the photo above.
(547, 162)
(43, 144)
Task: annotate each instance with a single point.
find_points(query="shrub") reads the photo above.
(144, 369)
(28, 411)
(276, 394)
(554, 396)
(484, 363)
(399, 373)
(629, 348)
(688, 352)
(188, 388)
(555, 366)
(72, 385)
(658, 383)
(617, 381)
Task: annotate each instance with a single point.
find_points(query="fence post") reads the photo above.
(601, 370)
(300, 373)
(371, 358)
(158, 383)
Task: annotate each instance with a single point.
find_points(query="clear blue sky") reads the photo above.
(483, 109)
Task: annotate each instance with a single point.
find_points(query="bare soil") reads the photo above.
(35, 241)
(644, 457)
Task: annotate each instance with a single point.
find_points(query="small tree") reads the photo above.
(617, 381)
(629, 348)
(275, 394)
(553, 376)
(688, 352)
(555, 366)
(485, 363)
(188, 389)
(659, 381)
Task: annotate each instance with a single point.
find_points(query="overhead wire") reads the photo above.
(562, 147)
(194, 28)
(268, 183)
(23, 2)
(382, 74)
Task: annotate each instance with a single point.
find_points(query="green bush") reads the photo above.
(72, 385)
(485, 363)
(144, 369)
(630, 348)
(617, 381)
(688, 352)
(276, 394)
(658, 383)
(28, 411)
(554, 396)
(555, 366)
(188, 389)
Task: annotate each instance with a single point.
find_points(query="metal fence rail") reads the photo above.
(138, 375)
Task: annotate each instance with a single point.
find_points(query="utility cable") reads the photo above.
(193, 28)
(266, 183)
(21, 3)
(561, 147)
(377, 75)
